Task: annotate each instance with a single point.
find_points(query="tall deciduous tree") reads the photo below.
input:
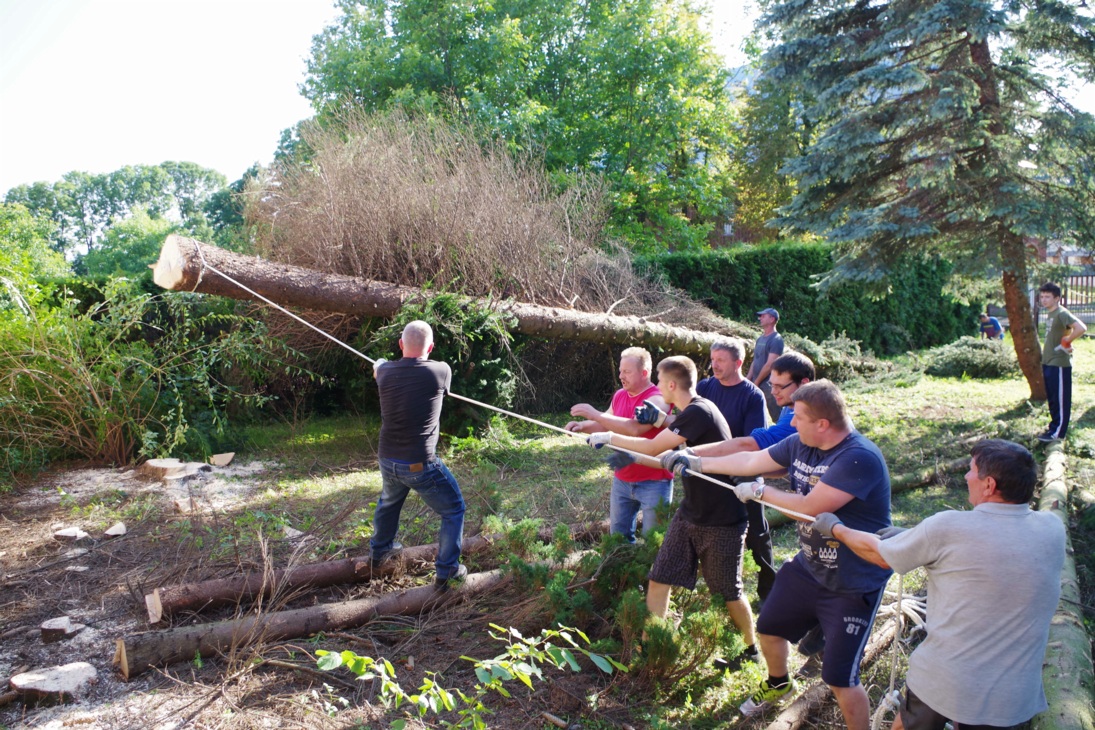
(943, 127)
(629, 88)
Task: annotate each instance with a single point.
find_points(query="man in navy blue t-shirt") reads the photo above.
(832, 468)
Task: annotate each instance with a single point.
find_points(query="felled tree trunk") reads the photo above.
(1067, 674)
(138, 653)
(168, 600)
(186, 264)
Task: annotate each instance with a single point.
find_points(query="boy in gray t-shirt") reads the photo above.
(993, 586)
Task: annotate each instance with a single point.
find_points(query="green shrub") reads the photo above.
(125, 375)
(738, 282)
(971, 357)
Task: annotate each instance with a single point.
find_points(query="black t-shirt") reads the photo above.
(706, 503)
(411, 391)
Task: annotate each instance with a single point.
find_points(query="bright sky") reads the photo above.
(95, 85)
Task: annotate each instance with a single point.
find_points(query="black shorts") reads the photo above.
(798, 603)
(717, 550)
(916, 715)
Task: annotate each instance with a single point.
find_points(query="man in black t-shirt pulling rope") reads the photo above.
(411, 392)
(709, 527)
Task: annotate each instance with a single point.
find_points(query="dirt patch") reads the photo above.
(101, 582)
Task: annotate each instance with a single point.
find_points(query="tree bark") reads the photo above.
(1020, 318)
(186, 264)
(140, 652)
(169, 600)
(1068, 675)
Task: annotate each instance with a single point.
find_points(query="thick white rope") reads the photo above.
(891, 700)
(340, 343)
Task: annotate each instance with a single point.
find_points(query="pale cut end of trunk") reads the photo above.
(154, 606)
(168, 270)
(120, 659)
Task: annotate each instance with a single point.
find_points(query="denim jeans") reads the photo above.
(437, 487)
(628, 498)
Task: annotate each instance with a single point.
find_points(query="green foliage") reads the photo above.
(973, 358)
(522, 661)
(128, 247)
(670, 653)
(738, 282)
(82, 207)
(25, 252)
(472, 339)
(126, 375)
(631, 89)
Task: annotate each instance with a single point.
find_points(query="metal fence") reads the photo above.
(1077, 296)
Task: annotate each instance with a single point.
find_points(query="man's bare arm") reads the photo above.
(863, 544)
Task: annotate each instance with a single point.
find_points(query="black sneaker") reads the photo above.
(395, 549)
(1048, 438)
(458, 576)
(749, 654)
(813, 643)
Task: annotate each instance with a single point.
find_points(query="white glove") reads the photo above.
(748, 491)
(599, 439)
(376, 365)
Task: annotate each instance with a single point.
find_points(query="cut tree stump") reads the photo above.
(180, 268)
(159, 468)
(70, 534)
(61, 683)
(59, 629)
(140, 652)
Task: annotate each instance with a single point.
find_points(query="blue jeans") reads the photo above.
(437, 487)
(628, 498)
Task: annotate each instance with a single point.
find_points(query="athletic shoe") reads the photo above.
(768, 693)
(458, 576)
(395, 549)
(749, 654)
(813, 643)
(1048, 438)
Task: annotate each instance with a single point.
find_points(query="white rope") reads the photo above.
(340, 343)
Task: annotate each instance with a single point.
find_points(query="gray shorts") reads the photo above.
(716, 549)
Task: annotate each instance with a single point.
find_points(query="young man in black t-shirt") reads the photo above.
(708, 528)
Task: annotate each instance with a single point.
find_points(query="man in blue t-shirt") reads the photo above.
(832, 468)
(990, 328)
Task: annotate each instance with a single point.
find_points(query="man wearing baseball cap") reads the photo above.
(769, 346)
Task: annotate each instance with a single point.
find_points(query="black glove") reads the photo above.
(650, 415)
(618, 460)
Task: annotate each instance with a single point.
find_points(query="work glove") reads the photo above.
(618, 460)
(650, 414)
(887, 532)
(1065, 347)
(376, 365)
(824, 524)
(599, 439)
(678, 461)
(747, 491)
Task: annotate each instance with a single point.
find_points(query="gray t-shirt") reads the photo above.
(994, 579)
(766, 345)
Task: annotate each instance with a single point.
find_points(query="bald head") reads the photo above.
(417, 339)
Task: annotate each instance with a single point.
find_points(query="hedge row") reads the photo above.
(738, 282)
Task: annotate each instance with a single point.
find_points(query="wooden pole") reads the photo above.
(138, 653)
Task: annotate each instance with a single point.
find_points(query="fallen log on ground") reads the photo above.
(169, 600)
(180, 268)
(912, 480)
(138, 653)
(796, 714)
(1067, 674)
